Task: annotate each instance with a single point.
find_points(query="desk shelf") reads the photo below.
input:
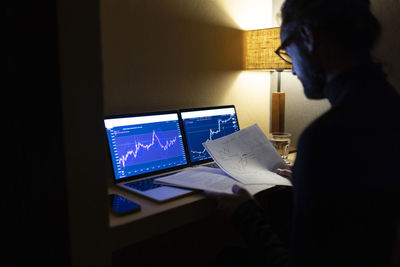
(157, 218)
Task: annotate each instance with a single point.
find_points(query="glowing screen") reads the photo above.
(204, 125)
(145, 144)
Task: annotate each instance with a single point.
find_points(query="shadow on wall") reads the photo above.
(167, 54)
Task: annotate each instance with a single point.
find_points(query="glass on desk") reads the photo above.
(281, 141)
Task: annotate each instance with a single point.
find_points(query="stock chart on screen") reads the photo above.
(139, 147)
(205, 125)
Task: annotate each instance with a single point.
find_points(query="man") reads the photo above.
(346, 179)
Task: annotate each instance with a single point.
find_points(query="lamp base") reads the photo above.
(278, 112)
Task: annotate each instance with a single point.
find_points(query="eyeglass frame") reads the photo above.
(281, 48)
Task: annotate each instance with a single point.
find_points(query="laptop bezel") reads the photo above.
(152, 173)
(200, 162)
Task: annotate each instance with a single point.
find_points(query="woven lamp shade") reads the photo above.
(260, 46)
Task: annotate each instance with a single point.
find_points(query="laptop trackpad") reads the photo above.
(166, 192)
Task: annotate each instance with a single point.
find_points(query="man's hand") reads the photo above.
(228, 203)
(285, 172)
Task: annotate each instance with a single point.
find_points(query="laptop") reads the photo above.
(144, 146)
(204, 124)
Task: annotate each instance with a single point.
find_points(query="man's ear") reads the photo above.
(308, 37)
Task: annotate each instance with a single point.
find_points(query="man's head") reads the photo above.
(324, 37)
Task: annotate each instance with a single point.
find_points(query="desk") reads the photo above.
(155, 218)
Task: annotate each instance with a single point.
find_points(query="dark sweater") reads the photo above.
(346, 181)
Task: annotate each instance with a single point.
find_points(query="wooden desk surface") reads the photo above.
(157, 218)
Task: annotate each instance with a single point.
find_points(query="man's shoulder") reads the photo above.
(324, 126)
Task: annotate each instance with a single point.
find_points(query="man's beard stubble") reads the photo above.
(313, 78)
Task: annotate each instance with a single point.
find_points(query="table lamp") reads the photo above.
(259, 54)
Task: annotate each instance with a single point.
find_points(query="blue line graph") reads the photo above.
(143, 148)
(146, 148)
(200, 130)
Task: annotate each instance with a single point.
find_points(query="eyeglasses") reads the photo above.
(281, 49)
(283, 55)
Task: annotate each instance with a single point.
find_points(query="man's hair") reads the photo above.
(348, 25)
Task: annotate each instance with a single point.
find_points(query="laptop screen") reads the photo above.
(144, 144)
(204, 124)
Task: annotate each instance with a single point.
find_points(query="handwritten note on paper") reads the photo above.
(248, 156)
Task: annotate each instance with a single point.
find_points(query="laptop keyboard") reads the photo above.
(144, 185)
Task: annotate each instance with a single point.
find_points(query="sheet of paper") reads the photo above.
(255, 188)
(248, 157)
(203, 178)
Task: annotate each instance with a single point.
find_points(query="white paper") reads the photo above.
(255, 188)
(248, 157)
(201, 177)
(206, 178)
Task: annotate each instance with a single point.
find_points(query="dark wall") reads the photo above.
(83, 129)
(34, 206)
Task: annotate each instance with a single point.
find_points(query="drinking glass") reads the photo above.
(281, 142)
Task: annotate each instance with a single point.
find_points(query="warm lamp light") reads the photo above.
(260, 46)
